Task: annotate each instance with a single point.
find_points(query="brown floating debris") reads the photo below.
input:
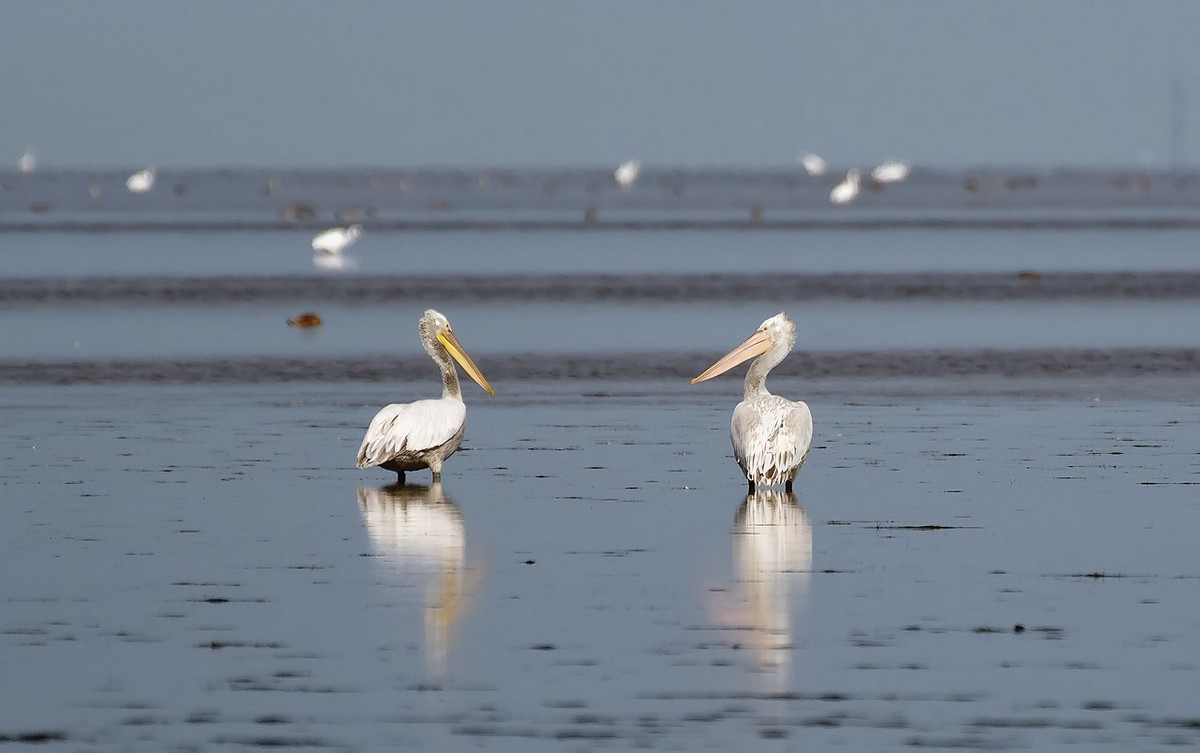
(307, 319)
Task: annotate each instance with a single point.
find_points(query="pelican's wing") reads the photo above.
(771, 436)
(410, 427)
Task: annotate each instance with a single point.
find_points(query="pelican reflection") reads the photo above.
(419, 533)
(772, 560)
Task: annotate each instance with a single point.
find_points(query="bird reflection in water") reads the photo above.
(772, 561)
(418, 532)
(334, 262)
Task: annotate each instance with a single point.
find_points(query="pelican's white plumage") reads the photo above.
(411, 436)
(141, 181)
(27, 163)
(402, 428)
(336, 239)
(813, 164)
(771, 435)
(844, 192)
(892, 171)
(627, 173)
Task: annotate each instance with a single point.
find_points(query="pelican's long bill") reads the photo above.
(757, 344)
(452, 346)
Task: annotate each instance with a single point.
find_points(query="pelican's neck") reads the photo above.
(440, 356)
(450, 386)
(756, 379)
(756, 375)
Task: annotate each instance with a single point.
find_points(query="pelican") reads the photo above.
(844, 192)
(813, 164)
(627, 172)
(27, 163)
(141, 181)
(891, 171)
(336, 239)
(771, 435)
(412, 436)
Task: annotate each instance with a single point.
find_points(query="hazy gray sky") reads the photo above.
(534, 82)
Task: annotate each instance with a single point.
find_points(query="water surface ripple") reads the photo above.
(369, 289)
(1120, 362)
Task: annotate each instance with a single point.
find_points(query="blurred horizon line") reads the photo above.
(653, 167)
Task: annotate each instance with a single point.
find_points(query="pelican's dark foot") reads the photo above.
(399, 478)
(750, 486)
(788, 486)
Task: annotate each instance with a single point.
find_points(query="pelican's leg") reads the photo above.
(788, 486)
(437, 477)
(750, 482)
(399, 478)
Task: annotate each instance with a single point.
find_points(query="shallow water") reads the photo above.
(590, 197)
(990, 546)
(196, 567)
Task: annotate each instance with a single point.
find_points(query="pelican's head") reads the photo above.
(776, 334)
(440, 342)
(854, 175)
(354, 231)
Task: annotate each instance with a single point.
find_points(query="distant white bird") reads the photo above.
(844, 192)
(412, 436)
(891, 171)
(627, 172)
(813, 164)
(27, 163)
(336, 239)
(141, 181)
(771, 435)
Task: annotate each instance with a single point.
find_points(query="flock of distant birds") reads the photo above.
(141, 181)
(626, 175)
(891, 171)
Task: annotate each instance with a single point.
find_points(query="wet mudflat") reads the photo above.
(187, 567)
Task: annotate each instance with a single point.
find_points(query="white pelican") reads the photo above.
(627, 172)
(891, 171)
(336, 239)
(813, 164)
(771, 435)
(844, 192)
(141, 181)
(412, 436)
(27, 163)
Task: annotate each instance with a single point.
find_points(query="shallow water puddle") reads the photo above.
(200, 567)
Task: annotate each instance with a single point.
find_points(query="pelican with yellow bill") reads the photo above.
(771, 435)
(411, 436)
